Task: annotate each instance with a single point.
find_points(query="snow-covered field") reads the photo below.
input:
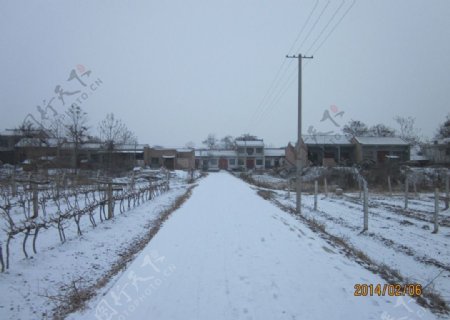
(229, 254)
(400, 239)
(31, 287)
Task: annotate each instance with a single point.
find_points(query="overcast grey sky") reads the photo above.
(175, 71)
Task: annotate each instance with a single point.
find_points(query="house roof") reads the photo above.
(215, 153)
(250, 143)
(36, 142)
(130, 147)
(326, 140)
(274, 152)
(184, 150)
(392, 141)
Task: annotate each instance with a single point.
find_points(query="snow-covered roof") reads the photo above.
(131, 147)
(37, 142)
(10, 133)
(184, 150)
(274, 152)
(250, 143)
(393, 141)
(215, 153)
(326, 139)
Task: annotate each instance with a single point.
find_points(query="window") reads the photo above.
(259, 150)
(232, 162)
(250, 151)
(259, 162)
(240, 150)
(447, 152)
(155, 161)
(241, 162)
(213, 162)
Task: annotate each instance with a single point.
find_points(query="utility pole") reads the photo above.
(299, 131)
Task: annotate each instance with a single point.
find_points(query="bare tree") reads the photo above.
(128, 137)
(57, 131)
(247, 137)
(381, 130)
(190, 145)
(408, 130)
(444, 129)
(211, 141)
(227, 142)
(355, 128)
(76, 130)
(114, 132)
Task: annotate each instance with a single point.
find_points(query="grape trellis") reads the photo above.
(43, 205)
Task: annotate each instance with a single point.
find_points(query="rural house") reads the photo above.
(381, 149)
(438, 152)
(170, 158)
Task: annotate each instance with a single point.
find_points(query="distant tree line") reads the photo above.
(72, 127)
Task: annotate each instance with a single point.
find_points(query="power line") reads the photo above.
(283, 91)
(326, 26)
(335, 26)
(270, 105)
(272, 87)
(280, 93)
(314, 25)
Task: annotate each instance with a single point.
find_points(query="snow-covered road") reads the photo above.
(229, 254)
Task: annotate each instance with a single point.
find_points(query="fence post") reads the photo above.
(447, 196)
(289, 188)
(366, 207)
(14, 186)
(436, 210)
(325, 186)
(315, 194)
(415, 188)
(110, 201)
(406, 192)
(35, 200)
(132, 181)
(389, 185)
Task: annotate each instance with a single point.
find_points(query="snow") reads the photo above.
(381, 141)
(274, 152)
(229, 254)
(88, 256)
(400, 240)
(326, 140)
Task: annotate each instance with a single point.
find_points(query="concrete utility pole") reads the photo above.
(299, 131)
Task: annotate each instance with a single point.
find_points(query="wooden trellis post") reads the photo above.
(447, 196)
(406, 192)
(132, 181)
(389, 185)
(315, 194)
(34, 187)
(110, 200)
(415, 188)
(436, 211)
(365, 207)
(14, 185)
(289, 188)
(325, 184)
